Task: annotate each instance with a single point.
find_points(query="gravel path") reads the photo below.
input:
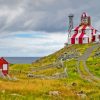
(83, 58)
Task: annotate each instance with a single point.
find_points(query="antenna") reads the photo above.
(70, 24)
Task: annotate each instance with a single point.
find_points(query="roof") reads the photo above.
(5, 61)
(97, 33)
(84, 14)
(83, 27)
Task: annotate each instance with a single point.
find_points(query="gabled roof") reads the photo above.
(97, 33)
(2, 59)
(83, 27)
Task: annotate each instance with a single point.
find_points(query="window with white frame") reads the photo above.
(4, 66)
(79, 31)
(83, 38)
(88, 31)
(76, 38)
(72, 32)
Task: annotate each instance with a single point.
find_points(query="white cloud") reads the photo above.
(22, 46)
(46, 20)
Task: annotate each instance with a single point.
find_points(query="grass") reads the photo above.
(38, 89)
(94, 65)
(53, 57)
(49, 72)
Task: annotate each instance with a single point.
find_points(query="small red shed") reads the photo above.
(4, 66)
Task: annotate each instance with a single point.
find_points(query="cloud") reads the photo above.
(42, 15)
(38, 27)
(45, 44)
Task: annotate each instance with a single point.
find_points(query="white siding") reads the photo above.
(97, 38)
(4, 66)
(77, 38)
(69, 40)
(85, 40)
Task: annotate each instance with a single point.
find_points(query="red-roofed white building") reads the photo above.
(84, 33)
(4, 66)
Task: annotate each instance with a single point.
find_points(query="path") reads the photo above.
(89, 76)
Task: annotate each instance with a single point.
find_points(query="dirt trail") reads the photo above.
(83, 58)
(87, 76)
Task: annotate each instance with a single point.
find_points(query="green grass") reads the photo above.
(52, 58)
(38, 89)
(94, 65)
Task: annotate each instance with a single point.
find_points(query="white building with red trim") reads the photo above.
(84, 33)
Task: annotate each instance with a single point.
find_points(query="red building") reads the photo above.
(4, 66)
(84, 32)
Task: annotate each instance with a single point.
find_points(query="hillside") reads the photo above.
(53, 57)
(67, 74)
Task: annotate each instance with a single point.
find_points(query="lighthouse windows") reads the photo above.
(85, 20)
(79, 31)
(87, 31)
(72, 32)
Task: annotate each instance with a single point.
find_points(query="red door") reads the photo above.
(72, 40)
(80, 40)
(93, 38)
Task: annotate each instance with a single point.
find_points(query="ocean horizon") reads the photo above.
(21, 60)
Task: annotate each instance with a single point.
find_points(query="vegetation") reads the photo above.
(70, 88)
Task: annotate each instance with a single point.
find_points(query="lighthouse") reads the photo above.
(84, 32)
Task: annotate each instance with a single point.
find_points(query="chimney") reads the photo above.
(89, 20)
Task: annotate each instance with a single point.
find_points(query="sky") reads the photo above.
(35, 28)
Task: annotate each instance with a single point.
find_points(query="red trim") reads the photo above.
(93, 38)
(82, 34)
(88, 40)
(4, 60)
(81, 38)
(84, 27)
(76, 29)
(73, 38)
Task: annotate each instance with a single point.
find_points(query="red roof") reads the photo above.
(3, 60)
(83, 27)
(84, 14)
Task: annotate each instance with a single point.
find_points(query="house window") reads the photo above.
(83, 38)
(76, 38)
(4, 66)
(79, 31)
(72, 32)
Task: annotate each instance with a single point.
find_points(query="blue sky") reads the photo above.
(39, 27)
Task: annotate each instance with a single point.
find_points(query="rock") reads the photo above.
(30, 75)
(8, 77)
(15, 79)
(2, 75)
(74, 84)
(54, 93)
(14, 94)
(81, 94)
